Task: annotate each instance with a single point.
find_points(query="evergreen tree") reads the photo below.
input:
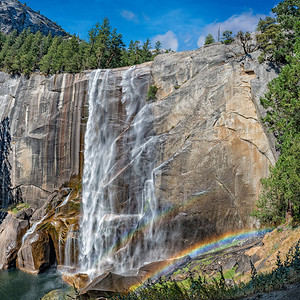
(157, 47)
(71, 55)
(27, 52)
(227, 37)
(287, 15)
(2, 40)
(6, 49)
(270, 38)
(115, 47)
(52, 61)
(209, 39)
(146, 54)
(46, 43)
(244, 39)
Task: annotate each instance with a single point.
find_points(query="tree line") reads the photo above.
(29, 52)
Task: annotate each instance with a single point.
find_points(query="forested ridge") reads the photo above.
(29, 52)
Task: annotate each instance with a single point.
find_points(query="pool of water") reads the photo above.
(15, 285)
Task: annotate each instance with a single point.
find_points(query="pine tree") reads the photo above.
(244, 39)
(157, 47)
(270, 38)
(209, 39)
(227, 37)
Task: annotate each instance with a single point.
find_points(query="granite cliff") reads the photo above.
(17, 16)
(212, 149)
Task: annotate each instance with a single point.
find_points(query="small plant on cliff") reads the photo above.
(151, 95)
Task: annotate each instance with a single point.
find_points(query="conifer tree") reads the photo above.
(227, 37)
(209, 39)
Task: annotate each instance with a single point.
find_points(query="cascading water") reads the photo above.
(117, 229)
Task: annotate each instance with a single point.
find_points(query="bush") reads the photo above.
(151, 95)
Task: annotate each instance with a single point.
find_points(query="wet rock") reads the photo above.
(36, 254)
(79, 280)
(109, 283)
(11, 231)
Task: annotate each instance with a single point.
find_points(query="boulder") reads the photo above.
(12, 229)
(79, 280)
(109, 283)
(36, 254)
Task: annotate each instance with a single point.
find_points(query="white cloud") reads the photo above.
(129, 15)
(245, 21)
(168, 40)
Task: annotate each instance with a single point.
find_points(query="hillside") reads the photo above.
(17, 16)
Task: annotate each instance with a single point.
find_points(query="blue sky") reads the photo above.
(180, 25)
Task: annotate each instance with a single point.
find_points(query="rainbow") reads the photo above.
(205, 246)
(145, 226)
(209, 245)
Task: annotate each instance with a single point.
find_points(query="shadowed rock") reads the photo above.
(12, 229)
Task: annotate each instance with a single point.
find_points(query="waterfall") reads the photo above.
(119, 208)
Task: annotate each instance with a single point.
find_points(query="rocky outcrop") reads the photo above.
(11, 231)
(17, 16)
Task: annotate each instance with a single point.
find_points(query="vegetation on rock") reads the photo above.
(152, 92)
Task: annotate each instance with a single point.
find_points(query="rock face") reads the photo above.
(17, 16)
(47, 127)
(212, 149)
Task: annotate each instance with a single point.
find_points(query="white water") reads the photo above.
(32, 229)
(118, 187)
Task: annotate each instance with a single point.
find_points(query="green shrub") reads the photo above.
(151, 95)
